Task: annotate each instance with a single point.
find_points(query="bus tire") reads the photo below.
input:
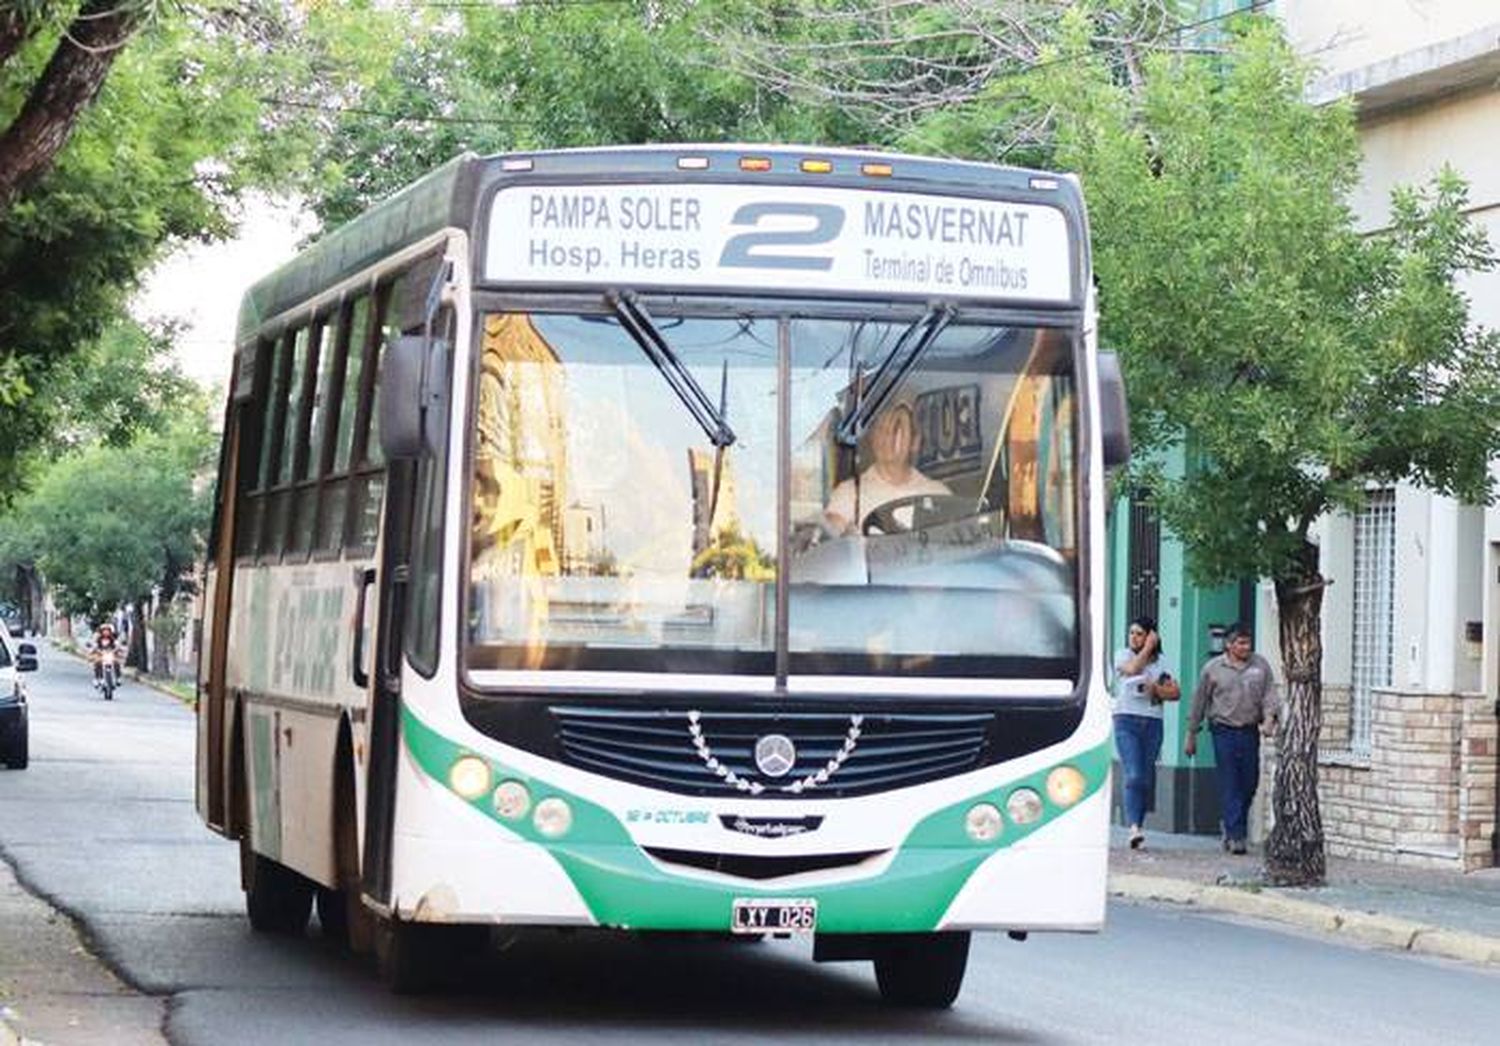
(416, 958)
(277, 899)
(342, 914)
(922, 970)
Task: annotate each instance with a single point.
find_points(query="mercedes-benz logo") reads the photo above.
(775, 755)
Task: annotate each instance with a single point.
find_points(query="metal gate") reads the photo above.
(1143, 584)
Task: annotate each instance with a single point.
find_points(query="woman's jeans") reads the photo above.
(1237, 762)
(1138, 740)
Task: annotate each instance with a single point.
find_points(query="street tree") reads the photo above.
(128, 127)
(1299, 360)
(114, 526)
(492, 78)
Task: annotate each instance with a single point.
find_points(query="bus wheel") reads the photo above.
(277, 899)
(345, 920)
(414, 958)
(922, 970)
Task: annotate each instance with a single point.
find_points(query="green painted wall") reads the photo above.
(1185, 613)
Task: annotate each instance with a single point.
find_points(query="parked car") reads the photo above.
(15, 660)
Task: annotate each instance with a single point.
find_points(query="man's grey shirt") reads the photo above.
(1234, 694)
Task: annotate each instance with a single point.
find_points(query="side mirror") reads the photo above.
(25, 649)
(1114, 415)
(26, 662)
(411, 396)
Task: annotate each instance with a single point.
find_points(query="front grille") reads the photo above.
(746, 866)
(712, 753)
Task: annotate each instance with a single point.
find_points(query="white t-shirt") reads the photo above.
(875, 490)
(1132, 694)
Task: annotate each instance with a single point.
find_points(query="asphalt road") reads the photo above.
(103, 825)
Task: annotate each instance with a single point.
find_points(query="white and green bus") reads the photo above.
(671, 539)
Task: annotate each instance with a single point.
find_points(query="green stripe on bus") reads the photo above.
(624, 888)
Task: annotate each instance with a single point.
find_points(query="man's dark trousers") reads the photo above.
(1237, 759)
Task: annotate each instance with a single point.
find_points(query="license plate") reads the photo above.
(774, 915)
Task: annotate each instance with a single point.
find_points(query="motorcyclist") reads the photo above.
(104, 639)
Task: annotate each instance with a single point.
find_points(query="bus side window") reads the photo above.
(255, 416)
(293, 366)
(367, 466)
(343, 392)
(304, 495)
(267, 533)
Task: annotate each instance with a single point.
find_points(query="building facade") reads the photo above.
(1411, 618)
(1411, 621)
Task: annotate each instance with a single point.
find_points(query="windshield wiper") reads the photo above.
(892, 370)
(638, 324)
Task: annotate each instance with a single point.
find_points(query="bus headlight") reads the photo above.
(983, 822)
(1065, 786)
(553, 817)
(469, 776)
(1024, 806)
(512, 800)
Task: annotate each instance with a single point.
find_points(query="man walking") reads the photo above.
(1238, 696)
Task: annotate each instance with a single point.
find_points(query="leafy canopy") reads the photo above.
(1297, 358)
(106, 525)
(178, 131)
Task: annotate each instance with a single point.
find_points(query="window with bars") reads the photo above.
(1374, 611)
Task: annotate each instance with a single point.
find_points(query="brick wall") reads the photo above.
(1425, 794)
(1477, 781)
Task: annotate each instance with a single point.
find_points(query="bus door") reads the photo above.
(409, 307)
(212, 768)
(239, 453)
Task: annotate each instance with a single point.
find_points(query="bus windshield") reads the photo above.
(608, 532)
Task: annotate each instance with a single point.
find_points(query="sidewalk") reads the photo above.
(53, 990)
(1426, 911)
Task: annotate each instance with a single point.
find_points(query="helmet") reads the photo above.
(107, 627)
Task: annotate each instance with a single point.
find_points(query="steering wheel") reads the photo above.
(883, 519)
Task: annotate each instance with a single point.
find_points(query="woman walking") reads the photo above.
(1141, 685)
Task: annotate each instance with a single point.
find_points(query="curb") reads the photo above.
(1383, 931)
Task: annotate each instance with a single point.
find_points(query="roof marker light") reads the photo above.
(876, 170)
(1044, 183)
(754, 163)
(692, 163)
(515, 165)
(817, 166)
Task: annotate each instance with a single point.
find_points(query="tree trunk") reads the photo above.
(135, 657)
(161, 661)
(1294, 851)
(69, 83)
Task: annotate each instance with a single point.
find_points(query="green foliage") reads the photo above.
(533, 76)
(105, 525)
(115, 389)
(1296, 358)
(734, 556)
(177, 133)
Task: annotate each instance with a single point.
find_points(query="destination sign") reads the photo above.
(779, 238)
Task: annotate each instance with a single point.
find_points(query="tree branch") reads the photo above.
(69, 83)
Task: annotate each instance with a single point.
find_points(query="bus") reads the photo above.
(695, 539)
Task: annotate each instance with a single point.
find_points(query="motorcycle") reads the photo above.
(109, 673)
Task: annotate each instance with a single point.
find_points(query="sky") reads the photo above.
(201, 284)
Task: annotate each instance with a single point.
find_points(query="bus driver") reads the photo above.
(893, 443)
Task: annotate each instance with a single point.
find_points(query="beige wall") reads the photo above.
(1342, 35)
